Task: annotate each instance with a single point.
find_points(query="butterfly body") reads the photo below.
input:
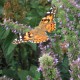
(38, 34)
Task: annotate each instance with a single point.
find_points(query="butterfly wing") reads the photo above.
(47, 23)
(36, 36)
(19, 39)
(50, 27)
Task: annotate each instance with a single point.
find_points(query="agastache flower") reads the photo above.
(39, 69)
(74, 3)
(78, 14)
(79, 76)
(48, 62)
(75, 69)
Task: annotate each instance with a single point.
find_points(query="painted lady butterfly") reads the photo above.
(38, 34)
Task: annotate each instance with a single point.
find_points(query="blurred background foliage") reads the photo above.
(21, 61)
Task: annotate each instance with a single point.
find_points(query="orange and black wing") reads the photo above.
(48, 23)
(35, 36)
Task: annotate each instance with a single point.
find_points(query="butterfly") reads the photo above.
(39, 33)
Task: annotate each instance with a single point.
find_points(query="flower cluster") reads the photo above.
(44, 46)
(15, 27)
(75, 69)
(48, 64)
(75, 3)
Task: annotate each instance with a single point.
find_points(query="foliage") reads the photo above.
(20, 62)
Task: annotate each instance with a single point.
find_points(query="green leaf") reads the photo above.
(1, 9)
(0, 72)
(35, 5)
(34, 73)
(33, 45)
(11, 73)
(22, 74)
(8, 47)
(3, 33)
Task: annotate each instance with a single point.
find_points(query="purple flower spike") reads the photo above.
(60, 22)
(14, 31)
(39, 69)
(67, 19)
(56, 61)
(78, 14)
(67, 9)
(79, 76)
